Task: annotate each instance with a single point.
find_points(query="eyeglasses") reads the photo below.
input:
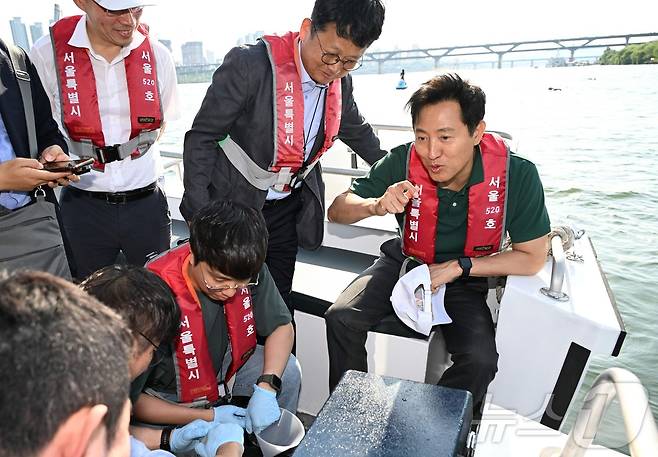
(329, 58)
(136, 11)
(157, 353)
(219, 288)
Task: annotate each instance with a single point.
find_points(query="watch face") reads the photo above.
(272, 379)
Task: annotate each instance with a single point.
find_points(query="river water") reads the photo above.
(591, 131)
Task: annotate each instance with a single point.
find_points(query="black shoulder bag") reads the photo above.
(30, 236)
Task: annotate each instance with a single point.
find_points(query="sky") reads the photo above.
(408, 24)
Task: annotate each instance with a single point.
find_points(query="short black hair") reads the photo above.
(60, 351)
(141, 297)
(229, 237)
(450, 86)
(359, 21)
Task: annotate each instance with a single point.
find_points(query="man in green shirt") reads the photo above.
(456, 192)
(226, 296)
(146, 304)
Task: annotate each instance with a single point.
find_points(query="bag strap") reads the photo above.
(19, 62)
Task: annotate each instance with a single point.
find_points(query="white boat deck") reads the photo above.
(504, 433)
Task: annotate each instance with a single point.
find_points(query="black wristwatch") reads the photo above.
(273, 380)
(165, 438)
(465, 264)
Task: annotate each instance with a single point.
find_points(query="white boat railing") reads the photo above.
(639, 423)
(354, 171)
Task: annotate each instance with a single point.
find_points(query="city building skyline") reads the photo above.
(36, 31)
(57, 13)
(193, 53)
(250, 38)
(19, 33)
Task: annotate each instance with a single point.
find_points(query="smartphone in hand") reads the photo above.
(77, 167)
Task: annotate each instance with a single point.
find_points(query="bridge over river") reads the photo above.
(508, 52)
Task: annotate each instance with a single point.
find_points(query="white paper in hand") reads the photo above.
(411, 297)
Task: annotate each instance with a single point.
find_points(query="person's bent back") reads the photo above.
(63, 392)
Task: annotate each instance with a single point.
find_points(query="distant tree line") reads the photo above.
(631, 54)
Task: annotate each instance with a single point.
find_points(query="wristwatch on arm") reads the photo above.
(273, 380)
(465, 264)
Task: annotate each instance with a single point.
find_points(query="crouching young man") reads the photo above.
(148, 307)
(226, 296)
(456, 192)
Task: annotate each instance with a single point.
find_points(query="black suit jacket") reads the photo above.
(239, 103)
(13, 116)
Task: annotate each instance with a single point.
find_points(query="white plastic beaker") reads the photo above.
(282, 435)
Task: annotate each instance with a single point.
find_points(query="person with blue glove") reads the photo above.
(207, 439)
(229, 414)
(146, 304)
(222, 440)
(222, 286)
(185, 438)
(262, 411)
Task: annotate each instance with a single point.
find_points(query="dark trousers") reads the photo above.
(281, 219)
(98, 231)
(366, 301)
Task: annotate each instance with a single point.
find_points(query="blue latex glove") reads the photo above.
(229, 414)
(262, 411)
(183, 439)
(218, 435)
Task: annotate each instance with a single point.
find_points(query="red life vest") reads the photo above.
(78, 96)
(487, 202)
(195, 374)
(289, 107)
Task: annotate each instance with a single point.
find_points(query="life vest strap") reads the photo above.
(258, 177)
(141, 143)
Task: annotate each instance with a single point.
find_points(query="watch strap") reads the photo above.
(165, 439)
(465, 263)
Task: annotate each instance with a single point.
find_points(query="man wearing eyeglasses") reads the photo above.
(147, 305)
(271, 112)
(111, 88)
(226, 297)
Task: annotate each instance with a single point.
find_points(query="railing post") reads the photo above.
(558, 271)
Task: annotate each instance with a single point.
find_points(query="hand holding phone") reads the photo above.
(77, 167)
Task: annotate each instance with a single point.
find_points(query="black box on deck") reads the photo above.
(371, 415)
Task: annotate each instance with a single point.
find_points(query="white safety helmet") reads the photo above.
(116, 5)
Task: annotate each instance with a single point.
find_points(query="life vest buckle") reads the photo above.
(225, 395)
(108, 154)
(295, 178)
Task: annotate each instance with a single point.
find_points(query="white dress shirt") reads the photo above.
(314, 95)
(114, 107)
